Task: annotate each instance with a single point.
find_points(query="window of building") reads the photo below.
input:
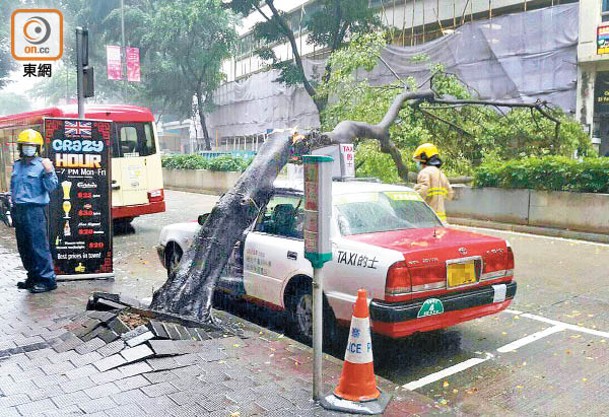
(605, 11)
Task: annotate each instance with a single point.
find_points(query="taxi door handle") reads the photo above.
(292, 255)
(115, 185)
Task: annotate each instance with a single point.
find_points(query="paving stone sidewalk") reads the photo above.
(46, 371)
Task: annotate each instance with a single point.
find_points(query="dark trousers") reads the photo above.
(33, 242)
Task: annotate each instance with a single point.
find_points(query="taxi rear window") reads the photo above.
(383, 211)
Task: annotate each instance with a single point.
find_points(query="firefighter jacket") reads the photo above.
(434, 187)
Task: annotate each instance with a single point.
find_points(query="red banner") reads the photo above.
(114, 62)
(133, 64)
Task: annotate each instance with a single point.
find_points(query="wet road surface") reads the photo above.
(547, 355)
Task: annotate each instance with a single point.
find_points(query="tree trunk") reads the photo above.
(202, 121)
(189, 291)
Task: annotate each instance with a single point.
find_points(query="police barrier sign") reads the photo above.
(80, 209)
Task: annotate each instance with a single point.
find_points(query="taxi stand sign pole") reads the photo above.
(318, 247)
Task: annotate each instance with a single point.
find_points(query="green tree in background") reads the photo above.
(188, 40)
(60, 88)
(467, 135)
(7, 63)
(11, 103)
(182, 45)
(329, 26)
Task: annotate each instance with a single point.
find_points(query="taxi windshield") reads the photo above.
(383, 211)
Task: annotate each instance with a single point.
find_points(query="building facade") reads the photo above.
(412, 22)
(593, 71)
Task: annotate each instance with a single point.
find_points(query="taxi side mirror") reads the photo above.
(202, 218)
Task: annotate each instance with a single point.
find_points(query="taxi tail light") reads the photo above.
(510, 258)
(156, 195)
(398, 287)
(432, 274)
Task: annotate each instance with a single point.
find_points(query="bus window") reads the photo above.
(134, 139)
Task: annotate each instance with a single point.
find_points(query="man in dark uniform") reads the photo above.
(32, 179)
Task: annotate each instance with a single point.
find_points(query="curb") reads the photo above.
(535, 230)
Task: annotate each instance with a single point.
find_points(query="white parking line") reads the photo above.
(445, 373)
(510, 347)
(573, 327)
(566, 325)
(557, 326)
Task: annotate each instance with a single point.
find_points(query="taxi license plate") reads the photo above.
(461, 274)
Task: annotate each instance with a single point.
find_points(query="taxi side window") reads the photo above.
(283, 216)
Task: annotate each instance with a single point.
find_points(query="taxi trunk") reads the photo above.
(447, 276)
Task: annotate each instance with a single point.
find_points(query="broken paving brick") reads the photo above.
(108, 335)
(158, 329)
(193, 333)
(184, 333)
(137, 353)
(138, 340)
(202, 334)
(130, 301)
(118, 326)
(139, 330)
(93, 334)
(110, 362)
(172, 331)
(106, 296)
(103, 316)
(110, 305)
(175, 347)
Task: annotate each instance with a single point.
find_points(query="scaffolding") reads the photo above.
(414, 22)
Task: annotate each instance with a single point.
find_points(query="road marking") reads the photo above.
(445, 373)
(510, 347)
(566, 325)
(557, 326)
(459, 367)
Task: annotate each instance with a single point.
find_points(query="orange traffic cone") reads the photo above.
(357, 391)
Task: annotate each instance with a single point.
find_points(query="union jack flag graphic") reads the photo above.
(81, 129)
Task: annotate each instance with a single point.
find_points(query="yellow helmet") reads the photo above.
(30, 137)
(425, 152)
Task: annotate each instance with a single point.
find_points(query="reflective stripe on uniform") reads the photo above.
(441, 215)
(434, 191)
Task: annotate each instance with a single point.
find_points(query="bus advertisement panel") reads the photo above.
(80, 209)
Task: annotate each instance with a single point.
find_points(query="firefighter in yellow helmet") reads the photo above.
(432, 184)
(32, 179)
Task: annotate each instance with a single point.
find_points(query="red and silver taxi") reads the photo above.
(420, 274)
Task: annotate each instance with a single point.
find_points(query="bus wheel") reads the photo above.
(173, 256)
(122, 226)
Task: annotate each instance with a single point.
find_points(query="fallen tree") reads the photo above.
(189, 290)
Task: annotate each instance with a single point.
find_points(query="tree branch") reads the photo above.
(347, 131)
(259, 10)
(538, 105)
(290, 35)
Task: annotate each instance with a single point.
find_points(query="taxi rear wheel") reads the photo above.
(301, 320)
(302, 315)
